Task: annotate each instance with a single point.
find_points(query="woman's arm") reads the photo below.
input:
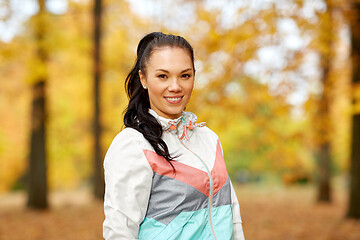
(238, 230)
(128, 178)
(238, 233)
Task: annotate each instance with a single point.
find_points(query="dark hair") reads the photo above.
(137, 114)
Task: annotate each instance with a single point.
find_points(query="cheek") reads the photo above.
(190, 86)
(155, 91)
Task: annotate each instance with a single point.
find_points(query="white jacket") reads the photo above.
(146, 199)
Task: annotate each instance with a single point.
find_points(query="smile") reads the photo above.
(173, 100)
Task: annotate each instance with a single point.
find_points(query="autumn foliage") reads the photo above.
(258, 84)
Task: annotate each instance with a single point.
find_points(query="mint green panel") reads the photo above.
(190, 225)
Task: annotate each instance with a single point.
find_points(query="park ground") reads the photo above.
(268, 212)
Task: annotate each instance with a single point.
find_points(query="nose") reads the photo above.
(174, 85)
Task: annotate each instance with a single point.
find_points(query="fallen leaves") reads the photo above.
(268, 213)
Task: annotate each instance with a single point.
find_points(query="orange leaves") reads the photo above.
(250, 113)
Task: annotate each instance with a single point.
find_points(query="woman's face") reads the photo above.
(169, 79)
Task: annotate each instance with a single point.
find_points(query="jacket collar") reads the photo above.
(187, 121)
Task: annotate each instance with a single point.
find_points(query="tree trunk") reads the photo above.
(354, 204)
(324, 188)
(324, 154)
(323, 115)
(99, 184)
(37, 179)
(354, 199)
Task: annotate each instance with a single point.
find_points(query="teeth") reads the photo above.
(173, 99)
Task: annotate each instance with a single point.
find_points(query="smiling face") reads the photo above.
(169, 79)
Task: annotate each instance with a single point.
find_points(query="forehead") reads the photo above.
(170, 57)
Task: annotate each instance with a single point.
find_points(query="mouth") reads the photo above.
(173, 100)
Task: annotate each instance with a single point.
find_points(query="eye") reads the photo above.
(162, 76)
(186, 76)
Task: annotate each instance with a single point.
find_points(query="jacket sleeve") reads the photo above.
(238, 233)
(238, 230)
(128, 178)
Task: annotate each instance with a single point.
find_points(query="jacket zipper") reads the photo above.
(211, 185)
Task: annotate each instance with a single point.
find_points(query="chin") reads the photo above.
(173, 113)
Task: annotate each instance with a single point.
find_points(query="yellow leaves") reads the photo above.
(247, 30)
(256, 128)
(14, 121)
(38, 71)
(270, 16)
(10, 170)
(5, 10)
(12, 162)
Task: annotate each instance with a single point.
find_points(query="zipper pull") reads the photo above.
(185, 134)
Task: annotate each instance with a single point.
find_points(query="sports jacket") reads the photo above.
(146, 199)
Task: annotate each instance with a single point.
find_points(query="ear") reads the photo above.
(142, 79)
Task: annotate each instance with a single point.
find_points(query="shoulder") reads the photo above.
(128, 142)
(129, 133)
(130, 136)
(207, 132)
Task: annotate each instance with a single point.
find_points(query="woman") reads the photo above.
(165, 174)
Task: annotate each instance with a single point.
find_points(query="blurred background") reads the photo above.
(277, 80)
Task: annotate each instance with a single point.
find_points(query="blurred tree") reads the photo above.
(99, 184)
(37, 173)
(250, 111)
(354, 200)
(322, 124)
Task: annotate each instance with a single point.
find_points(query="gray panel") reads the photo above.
(223, 196)
(169, 197)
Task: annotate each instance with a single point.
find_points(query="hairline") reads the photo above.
(169, 46)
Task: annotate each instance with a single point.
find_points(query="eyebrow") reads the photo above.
(163, 70)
